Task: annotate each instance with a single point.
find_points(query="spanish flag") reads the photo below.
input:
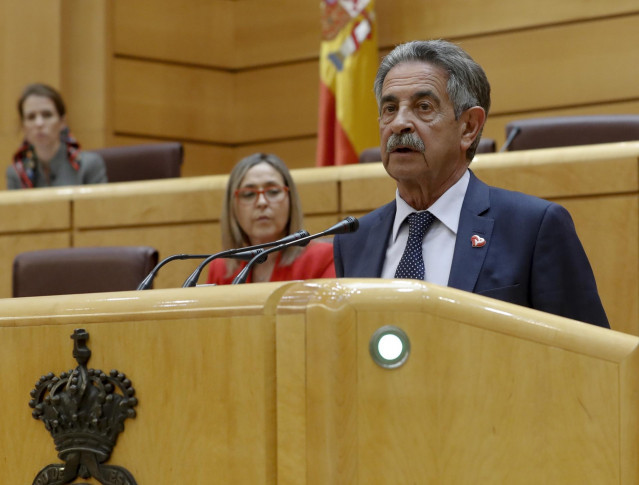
(348, 64)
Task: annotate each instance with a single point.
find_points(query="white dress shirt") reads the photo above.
(438, 245)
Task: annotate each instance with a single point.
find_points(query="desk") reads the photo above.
(598, 184)
(274, 383)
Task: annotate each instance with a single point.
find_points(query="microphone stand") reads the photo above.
(192, 279)
(260, 258)
(236, 254)
(511, 136)
(148, 280)
(350, 224)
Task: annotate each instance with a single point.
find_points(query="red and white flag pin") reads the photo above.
(477, 241)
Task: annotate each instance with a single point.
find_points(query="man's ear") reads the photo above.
(473, 120)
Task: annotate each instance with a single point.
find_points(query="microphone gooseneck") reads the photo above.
(148, 280)
(349, 224)
(511, 136)
(257, 250)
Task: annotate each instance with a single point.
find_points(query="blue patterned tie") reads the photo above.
(411, 265)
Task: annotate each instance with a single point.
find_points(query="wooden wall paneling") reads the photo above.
(608, 227)
(331, 390)
(86, 57)
(247, 33)
(174, 216)
(210, 370)
(492, 375)
(547, 173)
(556, 172)
(453, 334)
(277, 102)
(22, 348)
(30, 34)
(364, 187)
(199, 158)
(13, 244)
(290, 369)
(35, 210)
(255, 34)
(149, 202)
(343, 411)
(630, 389)
(29, 58)
(211, 159)
(495, 127)
(318, 190)
(404, 20)
(8, 145)
(276, 31)
(190, 31)
(296, 152)
(236, 426)
(168, 239)
(561, 66)
(31, 220)
(314, 224)
(261, 32)
(170, 101)
(204, 159)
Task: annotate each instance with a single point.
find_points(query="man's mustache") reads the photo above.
(405, 140)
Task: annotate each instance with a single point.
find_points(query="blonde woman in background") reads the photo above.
(262, 205)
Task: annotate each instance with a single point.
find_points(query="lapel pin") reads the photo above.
(477, 241)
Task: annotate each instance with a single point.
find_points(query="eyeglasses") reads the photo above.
(272, 193)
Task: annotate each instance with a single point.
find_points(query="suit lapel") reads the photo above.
(467, 259)
(376, 242)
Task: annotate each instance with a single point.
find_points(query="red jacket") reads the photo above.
(316, 261)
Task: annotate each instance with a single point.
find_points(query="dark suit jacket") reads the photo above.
(532, 256)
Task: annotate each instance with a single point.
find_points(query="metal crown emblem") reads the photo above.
(84, 410)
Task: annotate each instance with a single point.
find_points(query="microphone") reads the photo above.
(350, 224)
(192, 279)
(148, 280)
(511, 136)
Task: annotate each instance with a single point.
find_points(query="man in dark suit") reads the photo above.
(446, 226)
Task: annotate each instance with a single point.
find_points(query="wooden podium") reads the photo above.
(274, 383)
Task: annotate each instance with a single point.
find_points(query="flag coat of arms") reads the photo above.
(348, 64)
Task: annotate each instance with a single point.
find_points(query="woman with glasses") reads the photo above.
(262, 205)
(49, 155)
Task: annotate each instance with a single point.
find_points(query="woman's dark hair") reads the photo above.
(39, 89)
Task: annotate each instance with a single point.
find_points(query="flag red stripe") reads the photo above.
(333, 144)
(327, 119)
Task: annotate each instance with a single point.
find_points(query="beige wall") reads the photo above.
(230, 78)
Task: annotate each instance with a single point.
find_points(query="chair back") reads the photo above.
(486, 145)
(81, 270)
(559, 131)
(142, 162)
(374, 154)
